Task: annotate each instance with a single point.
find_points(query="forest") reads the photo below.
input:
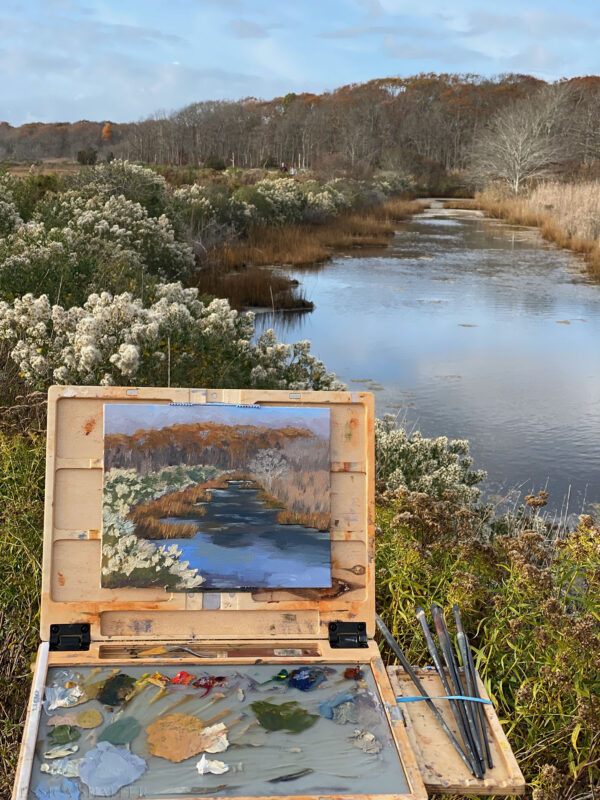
(427, 125)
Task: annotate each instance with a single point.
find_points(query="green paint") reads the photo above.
(288, 716)
(123, 731)
(63, 734)
(115, 690)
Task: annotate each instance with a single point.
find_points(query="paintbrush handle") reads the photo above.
(470, 666)
(460, 722)
(455, 682)
(397, 650)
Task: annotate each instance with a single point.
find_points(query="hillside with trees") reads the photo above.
(427, 125)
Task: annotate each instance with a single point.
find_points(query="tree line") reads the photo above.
(427, 125)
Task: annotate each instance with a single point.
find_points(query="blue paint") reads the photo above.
(48, 789)
(327, 706)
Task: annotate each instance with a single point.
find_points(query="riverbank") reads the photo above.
(240, 271)
(566, 214)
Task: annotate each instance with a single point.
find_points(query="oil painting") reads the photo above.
(202, 496)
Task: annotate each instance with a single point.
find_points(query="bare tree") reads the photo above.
(524, 140)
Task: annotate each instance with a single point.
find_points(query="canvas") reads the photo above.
(200, 497)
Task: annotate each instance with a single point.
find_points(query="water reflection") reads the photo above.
(474, 329)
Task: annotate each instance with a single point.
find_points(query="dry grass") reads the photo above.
(45, 166)
(147, 516)
(566, 214)
(235, 272)
(466, 203)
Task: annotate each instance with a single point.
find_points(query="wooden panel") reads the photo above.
(79, 499)
(71, 583)
(441, 768)
(209, 624)
(72, 529)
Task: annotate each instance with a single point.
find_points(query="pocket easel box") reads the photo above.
(87, 627)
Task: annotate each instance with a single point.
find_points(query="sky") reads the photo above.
(129, 418)
(124, 60)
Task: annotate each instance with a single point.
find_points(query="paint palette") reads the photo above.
(298, 729)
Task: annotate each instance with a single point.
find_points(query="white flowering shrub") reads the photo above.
(176, 339)
(33, 258)
(277, 200)
(392, 183)
(78, 244)
(129, 560)
(10, 219)
(120, 178)
(432, 466)
(210, 214)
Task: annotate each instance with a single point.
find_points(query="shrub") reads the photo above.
(214, 162)
(175, 340)
(87, 156)
(281, 200)
(78, 245)
(209, 214)
(10, 219)
(118, 177)
(433, 466)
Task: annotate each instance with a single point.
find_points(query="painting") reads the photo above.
(203, 496)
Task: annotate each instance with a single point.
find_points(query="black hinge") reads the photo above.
(70, 637)
(348, 634)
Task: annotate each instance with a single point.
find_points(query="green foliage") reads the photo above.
(22, 461)
(87, 156)
(532, 610)
(214, 162)
(27, 192)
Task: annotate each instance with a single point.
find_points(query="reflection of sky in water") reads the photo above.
(520, 384)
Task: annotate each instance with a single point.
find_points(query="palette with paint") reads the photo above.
(190, 646)
(250, 730)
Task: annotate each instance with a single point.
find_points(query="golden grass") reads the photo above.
(147, 516)
(567, 215)
(235, 269)
(320, 521)
(465, 203)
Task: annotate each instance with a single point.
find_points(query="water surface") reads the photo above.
(471, 328)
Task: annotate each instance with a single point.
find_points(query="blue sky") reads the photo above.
(64, 60)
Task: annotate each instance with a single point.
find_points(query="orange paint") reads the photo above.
(89, 426)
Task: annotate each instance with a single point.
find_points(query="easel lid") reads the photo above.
(71, 591)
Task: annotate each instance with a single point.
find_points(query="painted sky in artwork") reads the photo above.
(214, 497)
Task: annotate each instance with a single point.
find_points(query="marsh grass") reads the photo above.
(236, 270)
(147, 516)
(566, 214)
(22, 461)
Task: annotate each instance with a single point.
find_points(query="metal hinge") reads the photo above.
(348, 634)
(70, 637)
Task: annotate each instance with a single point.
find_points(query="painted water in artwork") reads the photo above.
(202, 497)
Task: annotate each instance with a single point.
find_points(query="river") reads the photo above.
(470, 328)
